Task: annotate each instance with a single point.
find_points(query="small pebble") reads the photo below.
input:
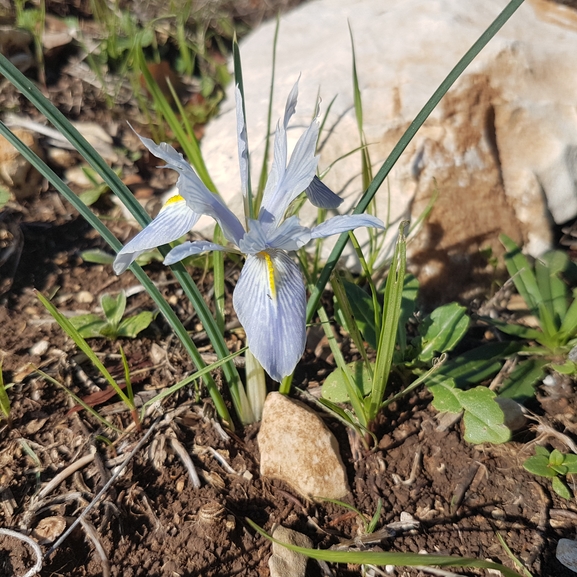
(40, 348)
(567, 553)
(84, 297)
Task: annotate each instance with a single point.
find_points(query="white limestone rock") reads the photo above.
(501, 147)
(298, 448)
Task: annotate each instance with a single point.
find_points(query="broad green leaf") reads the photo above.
(515, 330)
(483, 418)
(561, 488)
(442, 330)
(567, 368)
(569, 322)
(131, 326)
(520, 384)
(4, 196)
(556, 457)
(542, 451)
(539, 465)
(446, 397)
(570, 462)
(559, 469)
(363, 310)
(89, 326)
(554, 263)
(113, 307)
(334, 388)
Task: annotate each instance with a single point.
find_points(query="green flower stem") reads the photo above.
(403, 143)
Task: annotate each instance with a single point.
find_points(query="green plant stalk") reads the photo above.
(351, 324)
(424, 113)
(366, 270)
(218, 276)
(117, 186)
(154, 293)
(397, 559)
(350, 383)
(389, 325)
(129, 391)
(255, 384)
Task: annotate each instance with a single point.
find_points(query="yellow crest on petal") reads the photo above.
(172, 200)
(270, 271)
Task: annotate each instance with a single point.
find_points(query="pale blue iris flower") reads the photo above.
(269, 298)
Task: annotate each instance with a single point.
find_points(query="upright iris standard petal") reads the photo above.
(174, 220)
(270, 303)
(321, 195)
(192, 189)
(242, 142)
(344, 223)
(187, 249)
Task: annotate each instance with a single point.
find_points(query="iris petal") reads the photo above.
(198, 197)
(321, 195)
(272, 313)
(187, 249)
(344, 223)
(173, 221)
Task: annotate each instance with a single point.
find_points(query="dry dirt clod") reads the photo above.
(49, 529)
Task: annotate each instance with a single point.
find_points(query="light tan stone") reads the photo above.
(298, 448)
(16, 173)
(284, 562)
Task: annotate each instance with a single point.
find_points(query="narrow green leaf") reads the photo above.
(218, 272)
(390, 323)
(4, 400)
(89, 326)
(522, 274)
(490, 31)
(97, 256)
(514, 330)
(520, 384)
(569, 322)
(378, 558)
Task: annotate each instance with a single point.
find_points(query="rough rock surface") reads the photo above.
(284, 562)
(298, 448)
(16, 173)
(501, 148)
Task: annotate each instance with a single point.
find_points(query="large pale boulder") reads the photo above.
(501, 148)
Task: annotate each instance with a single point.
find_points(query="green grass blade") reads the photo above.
(81, 343)
(204, 314)
(397, 559)
(186, 139)
(218, 274)
(389, 324)
(569, 324)
(506, 13)
(79, 401)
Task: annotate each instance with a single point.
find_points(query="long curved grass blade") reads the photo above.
(397, 559)
(117, 186)
(403, 143)
(154, 293)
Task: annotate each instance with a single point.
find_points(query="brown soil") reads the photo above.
(152, 522)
